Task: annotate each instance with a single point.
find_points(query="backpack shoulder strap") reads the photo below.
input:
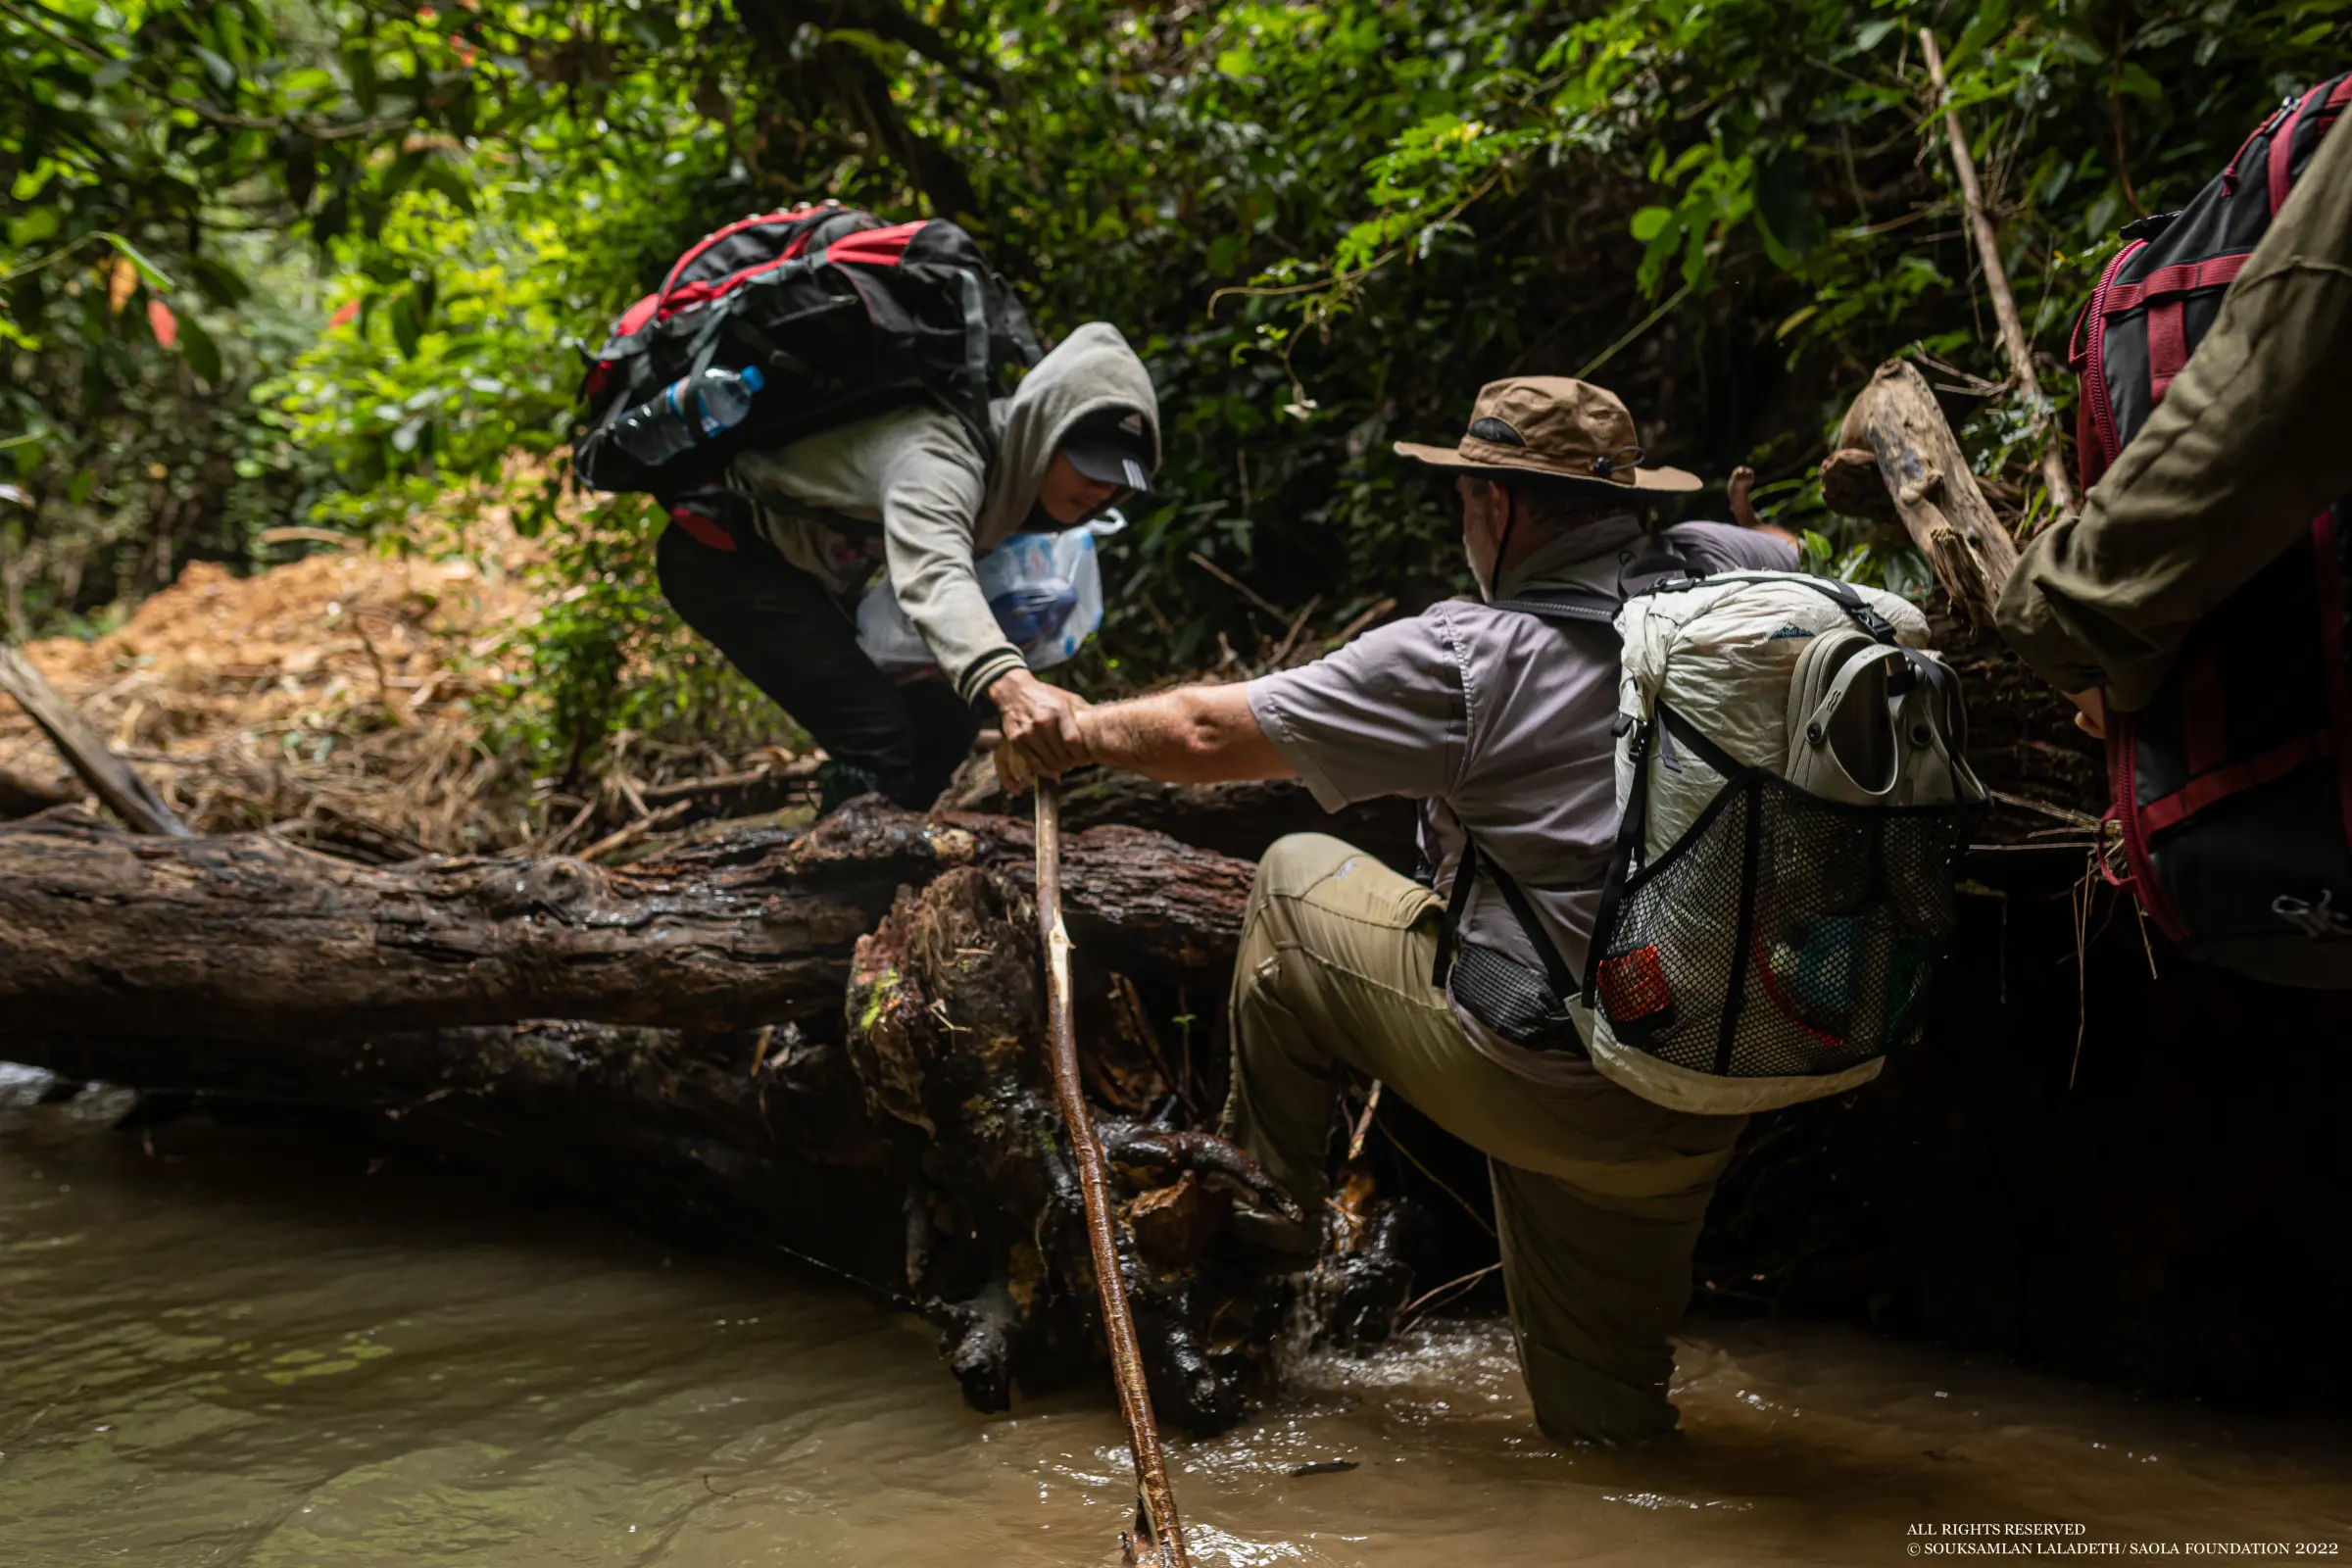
(1567, 607)
(1857, 609)
(1465, 872)
(1668, 567)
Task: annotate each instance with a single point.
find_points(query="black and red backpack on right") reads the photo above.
(2233, 786)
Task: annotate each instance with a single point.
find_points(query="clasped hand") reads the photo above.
(1041, 732)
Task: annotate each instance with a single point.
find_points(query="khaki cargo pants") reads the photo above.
(1599, 1193)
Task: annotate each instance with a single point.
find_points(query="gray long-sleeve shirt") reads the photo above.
(907, 490)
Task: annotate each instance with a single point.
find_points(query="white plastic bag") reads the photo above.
(1044, 588)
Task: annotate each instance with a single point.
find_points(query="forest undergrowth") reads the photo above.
(277, 268)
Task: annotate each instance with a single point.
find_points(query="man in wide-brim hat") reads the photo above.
(1500, 724)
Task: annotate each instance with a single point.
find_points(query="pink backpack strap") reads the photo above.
(2168, 345)
(2283, 141)
(2230, 174)
(2180, 277)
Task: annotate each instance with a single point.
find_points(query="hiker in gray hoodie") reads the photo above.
(774, 581)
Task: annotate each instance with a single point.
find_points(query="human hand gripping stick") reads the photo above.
(1039, 722)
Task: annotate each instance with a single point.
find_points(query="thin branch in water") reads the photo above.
(1460, 1286)
(1436, 1180)
(1363, 1123)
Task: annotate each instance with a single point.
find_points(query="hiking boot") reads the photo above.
(839, 782)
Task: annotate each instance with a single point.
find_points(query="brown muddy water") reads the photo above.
(217, 1349)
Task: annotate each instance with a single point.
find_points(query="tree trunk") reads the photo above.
(1239, 818)
(101, 933)
(947, 1033)
(920, 1154)
(23, 797)
(1928, 480)
(750, 1140)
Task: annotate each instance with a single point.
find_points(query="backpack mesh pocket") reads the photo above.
(1512, 999)
(1783, 935)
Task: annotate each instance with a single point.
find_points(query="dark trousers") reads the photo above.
(795, 642)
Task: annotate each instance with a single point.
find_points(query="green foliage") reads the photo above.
(606, 658)
(1784, 163)
(377, 228)
(159, 156)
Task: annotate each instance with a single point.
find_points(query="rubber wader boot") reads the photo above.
(838, 782)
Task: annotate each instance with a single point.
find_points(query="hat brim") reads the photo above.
(1115, 463)
(1661, 479)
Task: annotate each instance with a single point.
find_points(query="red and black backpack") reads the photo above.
(2233, 786)
(845, 316)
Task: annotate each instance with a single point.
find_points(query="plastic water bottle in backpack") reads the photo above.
(1046, 590)
(667, 423)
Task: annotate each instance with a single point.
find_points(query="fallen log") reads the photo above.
(912, 1145)
(748, 1138)
(2014, 1185)
(1926, 480)
(1239, 818)
(102, 933)
(948, 1035)
(23, 797)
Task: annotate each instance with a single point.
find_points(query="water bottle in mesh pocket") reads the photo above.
(1778, 950)
(1782, 931)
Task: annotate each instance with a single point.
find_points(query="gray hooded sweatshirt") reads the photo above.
(913, 477)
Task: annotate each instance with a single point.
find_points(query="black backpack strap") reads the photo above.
(1573, 607)
(1555, 967)
(1465, 872)
(1632, 830)
(1856, 607)
(1666, 567)
(766, 350)
(1567, 607)
(1628, 848)
(1938, 677)
(1695, 740)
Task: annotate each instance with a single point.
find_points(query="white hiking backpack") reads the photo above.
(1795, 799)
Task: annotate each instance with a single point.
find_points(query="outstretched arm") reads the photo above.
(1192, 735)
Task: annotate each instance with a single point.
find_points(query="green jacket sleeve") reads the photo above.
(2251, 441)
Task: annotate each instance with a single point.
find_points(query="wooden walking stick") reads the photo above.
(1158, 1503)
(1996, 280)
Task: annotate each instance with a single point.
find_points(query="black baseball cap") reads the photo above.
(1113, 447)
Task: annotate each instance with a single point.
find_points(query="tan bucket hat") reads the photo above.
(1556, 426)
